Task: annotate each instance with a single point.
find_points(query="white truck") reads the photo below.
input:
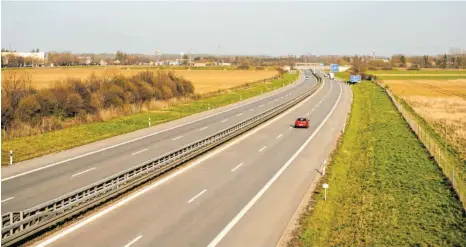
(332, 76)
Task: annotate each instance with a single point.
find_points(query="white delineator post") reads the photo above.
(11, 157)
(325, 186)
(325, 165)
(150, 122)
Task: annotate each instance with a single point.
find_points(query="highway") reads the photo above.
(240, 194)
(39, 180)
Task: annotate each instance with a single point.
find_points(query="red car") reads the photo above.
(301, 123)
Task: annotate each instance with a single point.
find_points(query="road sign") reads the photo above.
(334, 67)
(355, 78)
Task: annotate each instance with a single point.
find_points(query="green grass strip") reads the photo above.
(34, 146)
(384, 190)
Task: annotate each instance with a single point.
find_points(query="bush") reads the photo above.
(244, 66)
(166, 92)
(413, 67)
(113, 96)
(28, 109)
(74, 105)
(75, 98)
(7, 111)
(47, 101)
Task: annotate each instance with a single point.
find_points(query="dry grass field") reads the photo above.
(203, 80)
(442, 103)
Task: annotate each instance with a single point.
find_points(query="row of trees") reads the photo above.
(74, 97)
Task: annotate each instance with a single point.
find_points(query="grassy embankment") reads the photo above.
(384, 190)
(50, 142)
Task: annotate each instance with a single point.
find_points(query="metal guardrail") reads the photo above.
(17, 226)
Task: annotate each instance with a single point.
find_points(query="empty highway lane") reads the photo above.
(240, 194)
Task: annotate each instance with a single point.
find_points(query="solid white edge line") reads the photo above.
(142, 137)
(196, 196)
(236, 167)
(176, 138)
(248, 206)
(80, 173)
(133, 241)
(262, 149)
(163, 180)
(279, 136)
(139, 151)
(9, 198)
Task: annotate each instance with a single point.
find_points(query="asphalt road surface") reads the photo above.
(39, 180)
(240, 194)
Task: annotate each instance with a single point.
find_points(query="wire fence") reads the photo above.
(450, 165)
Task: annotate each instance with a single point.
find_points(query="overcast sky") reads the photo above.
(271, 28)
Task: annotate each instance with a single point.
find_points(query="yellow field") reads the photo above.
(417, 75)
(203, 80)
(441, 103)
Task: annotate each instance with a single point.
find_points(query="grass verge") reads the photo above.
(34, 146)
(384, 189)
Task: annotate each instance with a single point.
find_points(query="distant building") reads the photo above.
(116, 62)
(200, 63)
(28, 58)
(84, 60)
(103, 63)
(174, 63)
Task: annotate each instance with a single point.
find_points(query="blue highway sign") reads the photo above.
(334, 67)
(355, 78)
